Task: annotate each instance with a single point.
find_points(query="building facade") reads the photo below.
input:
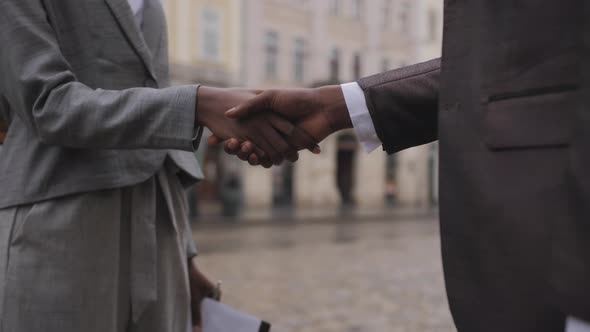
(303, 43)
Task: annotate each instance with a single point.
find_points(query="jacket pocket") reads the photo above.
(530, 120)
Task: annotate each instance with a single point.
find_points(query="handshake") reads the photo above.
(267, 127)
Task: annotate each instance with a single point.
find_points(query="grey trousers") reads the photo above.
(112, 260)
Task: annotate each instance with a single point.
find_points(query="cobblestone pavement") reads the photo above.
(346, 277)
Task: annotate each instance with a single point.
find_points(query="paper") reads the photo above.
(576, 325)
(218, 317)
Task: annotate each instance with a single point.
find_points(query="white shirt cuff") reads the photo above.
(360, 116)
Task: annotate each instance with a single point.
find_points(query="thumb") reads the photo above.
(257, 104)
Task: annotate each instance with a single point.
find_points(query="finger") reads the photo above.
(302, 140)
(253, 160)
(278, 142)
(248, 147)
(246, 150)
(232, 146)
(214, 140)
(292, 156)
(260, 154)
(281, 124)
(267, 164)
(252, 106)
(256, 155)
(243, 156)
(260, 138)
(261, 157)
(296, 136)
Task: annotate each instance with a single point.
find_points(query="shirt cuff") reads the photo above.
(360, 116)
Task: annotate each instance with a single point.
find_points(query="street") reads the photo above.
(379, 276)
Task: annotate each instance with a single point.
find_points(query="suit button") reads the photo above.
(150, 83)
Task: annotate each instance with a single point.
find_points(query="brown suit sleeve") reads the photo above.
(404, 105)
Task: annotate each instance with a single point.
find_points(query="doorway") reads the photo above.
(345, 168)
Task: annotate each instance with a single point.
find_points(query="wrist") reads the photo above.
(207, 98)
(333, 105)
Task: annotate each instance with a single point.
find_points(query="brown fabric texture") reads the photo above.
(509, 103)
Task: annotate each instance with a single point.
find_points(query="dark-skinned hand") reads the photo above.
(318, 112)
(271, 137)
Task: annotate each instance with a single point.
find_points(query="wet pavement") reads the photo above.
(378, 276)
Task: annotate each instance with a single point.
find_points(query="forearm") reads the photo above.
(403, 105)
(207, 108)
(76, 116)
(334, 107)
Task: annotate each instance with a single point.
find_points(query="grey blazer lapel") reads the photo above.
(153, 25)
(123, 14)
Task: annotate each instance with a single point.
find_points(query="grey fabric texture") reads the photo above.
(509, 104)
(88, 98)
(111, 260)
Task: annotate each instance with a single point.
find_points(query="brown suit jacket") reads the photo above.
(509, 102)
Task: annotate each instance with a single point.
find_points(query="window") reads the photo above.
(404, 17)
(357, 7)
(335, 7)
(210, 34)
(335, 65)
(299, 57)
(387, 14)
(272, 55)
(385, 65)
(356, 66)
(432, 24)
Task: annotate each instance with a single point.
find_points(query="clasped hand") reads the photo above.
(267, 127)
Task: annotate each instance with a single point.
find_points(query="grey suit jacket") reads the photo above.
(87, 96)
(509, 102)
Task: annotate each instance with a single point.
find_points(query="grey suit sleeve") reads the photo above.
(42, 89)
(403, 104)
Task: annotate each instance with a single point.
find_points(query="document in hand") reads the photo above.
(218, 317)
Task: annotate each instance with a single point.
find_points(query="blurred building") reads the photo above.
(302, 43)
